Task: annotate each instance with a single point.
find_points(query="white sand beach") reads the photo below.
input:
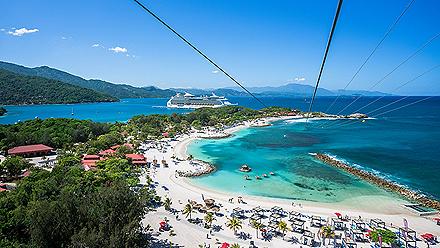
(180, 190)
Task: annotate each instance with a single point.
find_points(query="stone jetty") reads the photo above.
(381, 182)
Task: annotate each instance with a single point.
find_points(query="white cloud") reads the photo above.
(23, 31)
(96, 45)
(64, 38)
(300, 79)
(3, 30)
(118, 49)
(215, 72)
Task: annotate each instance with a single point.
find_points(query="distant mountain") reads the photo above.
(115, 90)
(20, 89)
(294, 89)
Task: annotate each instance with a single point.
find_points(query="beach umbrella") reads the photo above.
(338, 214)
(427, 236)
(209, 202)
(225, 245)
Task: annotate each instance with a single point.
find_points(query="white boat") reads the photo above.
(189, 101)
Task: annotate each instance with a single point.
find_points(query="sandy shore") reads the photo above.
(180, 190)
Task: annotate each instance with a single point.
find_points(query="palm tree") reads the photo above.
(326, 232)
(257, 225)
(283, 227)
(167, 203)
(209, 218)
(234, 224)
(235, 245)
(188, 210)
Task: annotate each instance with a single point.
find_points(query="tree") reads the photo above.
(235, 245)
(12, 166)
(326, 232)
(388, 237)
(167, 203)
(283, 227)
(209, 218)
(234, 224)
(188, 210)
(257, 225)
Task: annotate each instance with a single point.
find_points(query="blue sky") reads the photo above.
(260, 42)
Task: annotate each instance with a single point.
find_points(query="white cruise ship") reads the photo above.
(190, 101)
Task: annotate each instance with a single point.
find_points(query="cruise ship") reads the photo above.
(190, 101)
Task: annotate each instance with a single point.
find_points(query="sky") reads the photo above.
(259, 42)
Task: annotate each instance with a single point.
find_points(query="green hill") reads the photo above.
(19, 89)
(115, 90)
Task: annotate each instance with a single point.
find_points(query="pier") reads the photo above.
(381, 182)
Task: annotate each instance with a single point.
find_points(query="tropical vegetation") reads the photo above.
(234, 224)
(70, 207)
(388, 236)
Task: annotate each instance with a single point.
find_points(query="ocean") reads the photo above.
(402, 145)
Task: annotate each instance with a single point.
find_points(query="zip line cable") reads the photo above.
(198, 51)
(391, 72)
(330, 38)
(373, 52)
(394, 90)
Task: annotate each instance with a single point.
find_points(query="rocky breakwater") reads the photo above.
(381, 182)
(200, 168)
(324, 115)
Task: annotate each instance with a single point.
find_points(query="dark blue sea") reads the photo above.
(403, 145)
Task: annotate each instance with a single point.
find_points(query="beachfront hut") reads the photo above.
(316, 221)
(258, 210)
(377, 223)
(357, 235)
(348, 243)
(359, 224)
(308, 238)
(209, 202)
(278, 210)
(238, 213)
(407, 237)
(338, 224)
(256, 217)
(298, 225)
(294, 215)
(275, 217)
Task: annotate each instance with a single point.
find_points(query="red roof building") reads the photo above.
(137, 159)
(89, 161)
(31, 150)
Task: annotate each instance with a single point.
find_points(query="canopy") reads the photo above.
(338, 214)
(437, 219)
(225, 245)
(162, 224)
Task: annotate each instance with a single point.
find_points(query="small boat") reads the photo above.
(271, 173)
(257, 177)
(264, 175)
(247, 177)
(245, 168)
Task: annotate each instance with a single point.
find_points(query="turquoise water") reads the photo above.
(403, 145)
(282, 149)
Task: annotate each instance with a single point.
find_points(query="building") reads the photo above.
(89, 161)
(137, 159)
(37, 150)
